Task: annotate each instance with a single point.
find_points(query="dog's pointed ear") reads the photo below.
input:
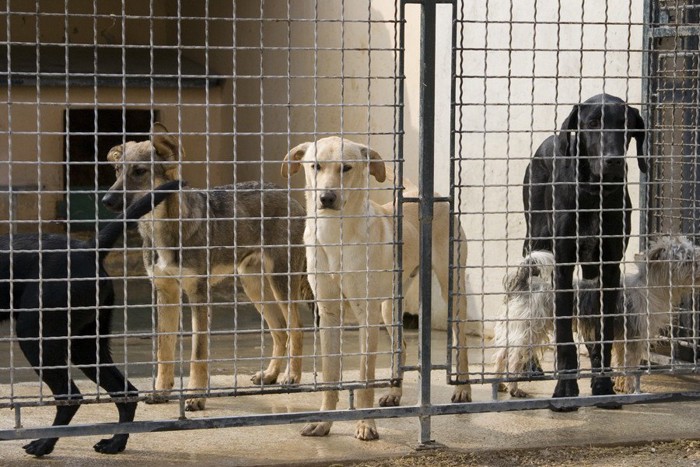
(165, 144)
(566, 143)
(291, 164)
(637, 129)
(376, 164)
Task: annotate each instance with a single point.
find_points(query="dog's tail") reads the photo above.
(107, 236)
(307, 295)
(410, 189)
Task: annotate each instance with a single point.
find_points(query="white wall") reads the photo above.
(525, 64)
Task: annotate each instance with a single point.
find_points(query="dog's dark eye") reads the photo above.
(346, 168)
(317, 166)
(594, 124)
(138, 171)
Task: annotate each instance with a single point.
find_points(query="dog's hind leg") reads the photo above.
(499, 366)
(84, 353)
(169, 302)
(462, 391)
(393, 397)
(294, 339)
(628, 355)
(286, 287)
(51, 354)
(195, 288)
(516, 357)
(258, 290)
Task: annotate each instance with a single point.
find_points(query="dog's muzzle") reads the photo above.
(329, 200)
(613, 167)
(113, 201)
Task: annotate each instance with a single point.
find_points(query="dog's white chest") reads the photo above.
(359, 265)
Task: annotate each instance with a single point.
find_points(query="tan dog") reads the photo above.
(350, 259)
(195, 238)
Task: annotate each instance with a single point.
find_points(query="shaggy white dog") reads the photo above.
(667, 271)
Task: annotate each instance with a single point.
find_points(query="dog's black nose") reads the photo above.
(328, 199)
(614, 161)
(112, 201)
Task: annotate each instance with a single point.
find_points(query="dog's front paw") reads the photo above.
(195, 404)
(462, 393)
(624, 385)
(533, 368)
(502, 387)
(113, 445)
(264, 378)
(391, 399)
(565, 388)
(157, 398)
(366, 430)
(603, 386)
(289, 379)
(40, 447)
(316, 429)
(519, 393)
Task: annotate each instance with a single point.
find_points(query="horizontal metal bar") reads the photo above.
(420, 2)
(181, 394)
(437, 199)
(340, 415)
(674, 31)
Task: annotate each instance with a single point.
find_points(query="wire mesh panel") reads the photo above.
(672, 87)
(210, 296)
(548, 100)
(202, 200)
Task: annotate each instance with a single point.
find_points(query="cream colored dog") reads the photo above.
(350, 259)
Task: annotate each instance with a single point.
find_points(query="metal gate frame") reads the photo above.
(667, 87)
(425, 409)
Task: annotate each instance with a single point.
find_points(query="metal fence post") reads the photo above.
(426, 132)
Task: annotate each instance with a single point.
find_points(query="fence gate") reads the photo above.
(673, 99)
(432, 110)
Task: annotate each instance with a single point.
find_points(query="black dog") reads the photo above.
(578, 207)
(44, 292)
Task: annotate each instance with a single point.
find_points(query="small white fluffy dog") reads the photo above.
(525, 323)
(350, 259)
(667, 271)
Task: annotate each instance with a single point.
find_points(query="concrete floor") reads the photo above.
(240, 355)
(282, 445)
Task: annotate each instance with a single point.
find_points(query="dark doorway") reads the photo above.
(90, 134)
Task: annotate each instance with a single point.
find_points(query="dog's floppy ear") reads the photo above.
(566, 143)
(290, 166)
(376, 164)
(636, 123)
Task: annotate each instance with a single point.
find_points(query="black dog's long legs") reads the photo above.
(84, 352)
(566, 360)
(54, 355)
